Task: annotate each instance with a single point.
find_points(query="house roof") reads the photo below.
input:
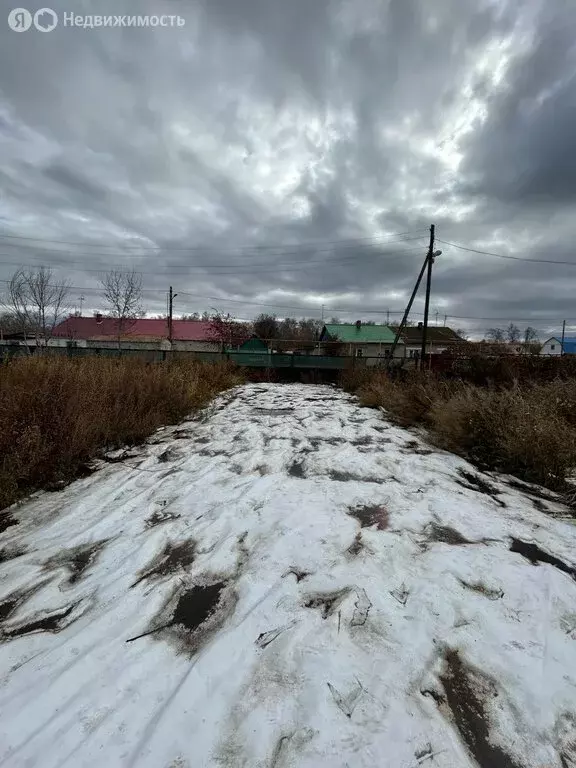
(434, 334)
(569, 343)
(143, 328)
(365, 334)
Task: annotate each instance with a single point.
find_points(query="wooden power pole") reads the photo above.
(430, 261)
(563, 335)
(170, 307)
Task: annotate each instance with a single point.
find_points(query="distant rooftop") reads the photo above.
(359, 333)
(107, 327)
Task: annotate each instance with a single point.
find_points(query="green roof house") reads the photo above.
(253, 351)
(359, 340)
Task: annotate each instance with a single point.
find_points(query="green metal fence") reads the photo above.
(243, 359)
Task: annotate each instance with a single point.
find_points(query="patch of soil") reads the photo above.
(243, 553)
(531, 490)
(491, 594)
(296, 469)
(159, 516)
(345, 477)
(365, 440)
(535, 555)
(76, 560)
(173, 557)
(315, 442)
(475, 482)
(327, 602)
(356, 547)
(170, 454)
(212, 452)
(121, 457)
(273, 411)
(414, 447)
(183, 434)
(466, 697)
(443, 534)
(368, 516)
(300, 574)
(541, 507)
(11, 553)
(6, 520)
(53, 622)
(16, 599)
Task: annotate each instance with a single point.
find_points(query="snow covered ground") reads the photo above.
(288, 580)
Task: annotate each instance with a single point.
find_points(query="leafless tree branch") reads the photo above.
(123, 294)
(36, 303)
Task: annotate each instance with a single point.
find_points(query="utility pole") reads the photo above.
(81, 300)
(445, 318)
(430, 261)
(170, 307)
(387, 317)
(563, 335)
(407, 311)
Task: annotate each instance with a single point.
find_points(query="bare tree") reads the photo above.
(36, 303)
(513, 334)
(123, 293)
(531, 341)
(496, 334)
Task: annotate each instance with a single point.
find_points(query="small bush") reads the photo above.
(57, 414)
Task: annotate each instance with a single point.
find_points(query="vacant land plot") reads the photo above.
(287, 579)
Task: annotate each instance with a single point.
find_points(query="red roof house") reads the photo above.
(143, 329)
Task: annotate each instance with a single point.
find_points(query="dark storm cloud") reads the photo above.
(267, 123)
(523, 154)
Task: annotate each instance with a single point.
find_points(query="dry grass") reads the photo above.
(57, 414)
(528, 431)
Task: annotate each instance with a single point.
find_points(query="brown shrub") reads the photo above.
(528, 431)
(57, 414)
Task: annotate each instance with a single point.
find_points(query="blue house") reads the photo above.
(553, 346)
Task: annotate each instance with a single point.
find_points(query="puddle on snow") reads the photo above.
(536, 555)
(192, 615)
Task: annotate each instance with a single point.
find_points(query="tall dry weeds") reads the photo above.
(528, 431)
(56, 414)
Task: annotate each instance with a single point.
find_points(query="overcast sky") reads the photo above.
(269, 151)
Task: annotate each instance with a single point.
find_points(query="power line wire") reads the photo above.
(503, 256)
(207, 252)
(200, 248)
(183, 269)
